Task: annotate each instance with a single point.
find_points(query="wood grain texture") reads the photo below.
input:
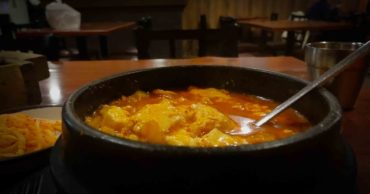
(361, 7)
(213, 9)
(282, 25)
(13, 91)
(86, 29)
(126, 3)
(65, 77)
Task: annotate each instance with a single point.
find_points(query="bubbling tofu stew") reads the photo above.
(197, 117)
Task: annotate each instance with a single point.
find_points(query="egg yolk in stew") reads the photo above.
(201, 117)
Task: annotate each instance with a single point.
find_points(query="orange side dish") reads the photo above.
(198, 117)
(21, 134)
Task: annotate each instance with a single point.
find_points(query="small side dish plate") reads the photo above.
(16, 168)
(47, 112)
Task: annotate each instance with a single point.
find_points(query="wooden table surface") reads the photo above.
(99, 29)
(86, 29)
(281, 25)
(291, 27)
(66, 77)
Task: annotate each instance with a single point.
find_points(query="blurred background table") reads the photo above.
(99, 29)
(291, 27)
(66, 77)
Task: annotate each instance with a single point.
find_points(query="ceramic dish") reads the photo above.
(15, 168)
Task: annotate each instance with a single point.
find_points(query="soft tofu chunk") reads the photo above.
(217, 138)
(138, 95)
(163, 114)
(260, 137)
(210, 93)
(164, 93)
(207, 118)
(115, 117)
(181, 138)
(151, 132)
(113, 131)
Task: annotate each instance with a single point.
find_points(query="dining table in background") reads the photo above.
(291, 27)
(98, 29)
(66, 77)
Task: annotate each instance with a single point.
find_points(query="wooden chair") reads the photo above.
(250, 41)
(7, 33)
(215, 42)
(301, 37)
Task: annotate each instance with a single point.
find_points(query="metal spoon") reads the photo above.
(332, 72)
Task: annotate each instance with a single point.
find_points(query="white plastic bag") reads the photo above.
(61, 16)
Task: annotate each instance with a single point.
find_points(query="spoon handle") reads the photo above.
(333, 71)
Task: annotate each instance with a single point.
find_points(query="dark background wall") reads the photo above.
(185, 13)
(165, 14)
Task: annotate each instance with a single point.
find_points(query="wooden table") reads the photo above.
(100, 29)
(66, 77)
(291, 27)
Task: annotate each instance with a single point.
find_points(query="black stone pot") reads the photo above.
(105, 164)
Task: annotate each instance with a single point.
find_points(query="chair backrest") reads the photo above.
(216, 42)
(298, 16)
(301, 37)
(7, 30)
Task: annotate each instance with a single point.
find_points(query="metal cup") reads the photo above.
(320, 56)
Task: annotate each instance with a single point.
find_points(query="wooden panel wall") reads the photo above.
(213, 9)
(252, 8)
(239, 9)
(362, 5)
(165, 13)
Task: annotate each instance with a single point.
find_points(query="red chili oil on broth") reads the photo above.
(202, 117)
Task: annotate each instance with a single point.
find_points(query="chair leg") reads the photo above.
(305, 39)
(172, 48)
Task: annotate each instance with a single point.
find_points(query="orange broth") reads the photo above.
(201, 117)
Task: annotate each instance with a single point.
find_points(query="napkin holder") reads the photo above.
(20, 74)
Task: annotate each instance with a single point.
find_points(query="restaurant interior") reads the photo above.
(122, 96)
